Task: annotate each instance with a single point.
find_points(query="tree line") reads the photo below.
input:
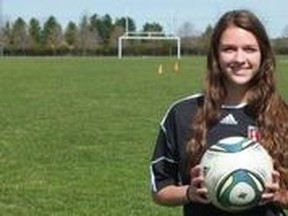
(98, 35)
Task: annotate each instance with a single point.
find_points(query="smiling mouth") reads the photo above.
(235, 67)
(239, 71)
(236, 64)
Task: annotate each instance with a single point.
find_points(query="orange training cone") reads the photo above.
(176, 67)
(160, 69)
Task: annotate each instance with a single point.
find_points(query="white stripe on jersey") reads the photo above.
(237, 106)
(153, 182)
(163, 158)
(173, 104)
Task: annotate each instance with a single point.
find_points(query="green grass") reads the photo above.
(77, 134)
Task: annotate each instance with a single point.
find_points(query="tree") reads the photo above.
(285, 32)
(94, 23)
(152, 27)
(104, 27)
(19, 36)
(205, 39)
(127, 23)
(87, 36)
(95, 33)
(187, 30)
(115, 34)
(52, 34)
(34, 33)
(121, 25)
(208, 32)
(70, 35)
(189, 38)
(7, 32)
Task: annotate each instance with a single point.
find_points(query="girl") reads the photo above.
(239, 99)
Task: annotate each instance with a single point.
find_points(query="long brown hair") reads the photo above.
(264, 102)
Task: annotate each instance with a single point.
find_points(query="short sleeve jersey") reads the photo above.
(168, 161)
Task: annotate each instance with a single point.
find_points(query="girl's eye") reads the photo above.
(250, 49)
(227, 49)
(231, 49)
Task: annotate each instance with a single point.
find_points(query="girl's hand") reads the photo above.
(271, 191)
(196, 191)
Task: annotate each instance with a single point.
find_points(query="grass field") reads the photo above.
(77, 134)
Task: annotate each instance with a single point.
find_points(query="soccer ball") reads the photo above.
(235, 171)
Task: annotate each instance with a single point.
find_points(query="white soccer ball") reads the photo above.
(236, 170)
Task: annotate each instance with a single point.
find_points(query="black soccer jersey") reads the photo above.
(168, 161)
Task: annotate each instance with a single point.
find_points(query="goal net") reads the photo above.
(148, 36)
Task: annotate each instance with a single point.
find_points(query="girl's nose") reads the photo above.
(240, 56)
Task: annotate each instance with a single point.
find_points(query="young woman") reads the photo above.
(239, 99)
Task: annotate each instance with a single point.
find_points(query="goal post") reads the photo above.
(148, 36)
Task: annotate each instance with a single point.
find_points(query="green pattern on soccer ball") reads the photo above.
(238, 146)
(231, 182)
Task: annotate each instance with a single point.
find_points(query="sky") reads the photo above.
(170, 14)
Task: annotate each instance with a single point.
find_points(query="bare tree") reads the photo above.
(115, 34)
(87, 36)
(285, 32)
(187, 30)
(189, 38)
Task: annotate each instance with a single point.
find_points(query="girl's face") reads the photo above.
(239, 56)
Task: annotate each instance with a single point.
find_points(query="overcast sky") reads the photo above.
(169, 13)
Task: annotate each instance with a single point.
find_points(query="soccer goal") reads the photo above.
(148, 36)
